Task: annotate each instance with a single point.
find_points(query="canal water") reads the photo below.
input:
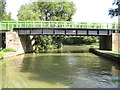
(70, 67)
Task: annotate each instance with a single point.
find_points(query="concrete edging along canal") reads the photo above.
(105, 55)
(10, 54)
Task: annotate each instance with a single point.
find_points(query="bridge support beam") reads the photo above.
(116, 42)
(21, 43)
(106, 42)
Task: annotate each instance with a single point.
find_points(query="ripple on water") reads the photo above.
(69, 67)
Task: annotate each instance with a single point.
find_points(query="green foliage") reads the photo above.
(47, 43)
(1, 54)
(3, 15)
(7, 17)
(80, 40)
(2, 8)
(57, 41)
(2, 51)
(114, 53)
(27, 13)
(47, 11)
(8, 50)
(43, 43)
(116, 11)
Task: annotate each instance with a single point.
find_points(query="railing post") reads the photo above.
(49, 24)
(72, 24)
(87, 25)
(41, 24)
(107, 25)
(17, 24)
(8, 26)
(100, 25)
(25, 23)
(57, 24)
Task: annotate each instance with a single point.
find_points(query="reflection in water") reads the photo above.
(72, 67)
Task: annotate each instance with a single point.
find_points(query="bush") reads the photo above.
(43, 43)
(47, 43)
(80, 40)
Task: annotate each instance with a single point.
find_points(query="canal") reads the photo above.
(70, 67)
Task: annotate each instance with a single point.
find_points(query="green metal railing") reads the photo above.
(9, 25)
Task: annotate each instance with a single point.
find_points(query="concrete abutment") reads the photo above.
(21, 43)
(110, 42)
(116, 42)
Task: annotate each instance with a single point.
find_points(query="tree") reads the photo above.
(116, 11)
(28, 13)
(7, 17)
(2, 8)
(47, 11)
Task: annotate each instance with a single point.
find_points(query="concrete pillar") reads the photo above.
(106, 42)
(116, 42)
(30, 43)
(0, 40)
(21, 43)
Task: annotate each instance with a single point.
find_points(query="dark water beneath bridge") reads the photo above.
(71, 67)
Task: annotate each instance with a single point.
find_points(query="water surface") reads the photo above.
(70, 67)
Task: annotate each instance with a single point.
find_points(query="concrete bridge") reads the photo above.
(19, 34)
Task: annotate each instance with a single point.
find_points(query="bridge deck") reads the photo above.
(65, 31)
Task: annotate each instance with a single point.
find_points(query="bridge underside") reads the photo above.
(64, 31)
(21, 39)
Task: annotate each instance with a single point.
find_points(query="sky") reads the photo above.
(87, 10)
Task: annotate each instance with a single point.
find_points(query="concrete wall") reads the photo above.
(21, 44)
(116, 42)
(106, 42)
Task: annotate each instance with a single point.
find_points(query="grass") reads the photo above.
(1, 55)
(2, 51)
(8, 50)
(93, 45)
(114, 53)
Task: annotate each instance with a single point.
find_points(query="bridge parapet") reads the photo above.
(9, 25)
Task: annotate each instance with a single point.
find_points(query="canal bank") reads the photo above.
(114, 58)
(5, 53)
